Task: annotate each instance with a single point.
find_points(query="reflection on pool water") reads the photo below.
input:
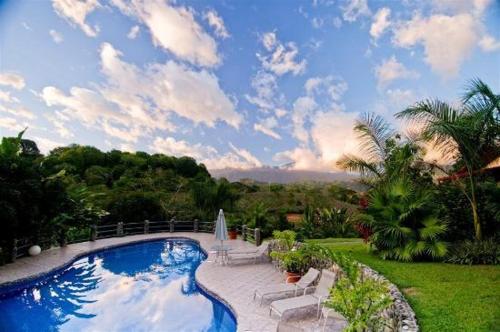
(147, 286)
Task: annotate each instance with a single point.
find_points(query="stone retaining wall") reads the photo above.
(402, 315)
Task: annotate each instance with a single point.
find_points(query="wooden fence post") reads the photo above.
(172, 226)
(244, 232)
(14, 250)
(62, 239)
(146, 226)
(195, 226)
(119, 228)
(257, 237)
(93, 232)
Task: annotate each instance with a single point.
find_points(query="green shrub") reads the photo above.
(323, 223)
(475, 252)
(360, 300)
(403, 218)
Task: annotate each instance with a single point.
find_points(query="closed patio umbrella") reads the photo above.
(221, 228)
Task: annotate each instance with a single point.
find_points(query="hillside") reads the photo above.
(279, 175)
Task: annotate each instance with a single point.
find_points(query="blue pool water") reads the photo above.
(147, 286)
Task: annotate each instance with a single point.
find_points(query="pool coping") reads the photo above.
(14, 285)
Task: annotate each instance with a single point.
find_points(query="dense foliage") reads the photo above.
(360, 300)
(475, 252)
(408, 215)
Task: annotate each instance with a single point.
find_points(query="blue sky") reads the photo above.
(233, 84)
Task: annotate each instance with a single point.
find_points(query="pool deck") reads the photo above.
(232, 284)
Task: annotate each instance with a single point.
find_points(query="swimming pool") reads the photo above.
(148, 286)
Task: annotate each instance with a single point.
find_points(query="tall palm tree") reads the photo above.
(470, 133)
(386, 154)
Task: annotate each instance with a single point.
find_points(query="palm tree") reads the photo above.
(404, 221)
(470, 134)
(386, 154)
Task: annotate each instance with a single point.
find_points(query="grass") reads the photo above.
(445, 297)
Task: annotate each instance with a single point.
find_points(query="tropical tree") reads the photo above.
(404, 221)
(469, 133)
(386, 154)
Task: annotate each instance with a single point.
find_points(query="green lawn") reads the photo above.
(445, 297)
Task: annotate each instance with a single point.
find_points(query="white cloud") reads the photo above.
(216, 22)
(58, 121)
(266, 126)
(57, 37)
(5, 96)
(489, 44)
(380, 22)
(447, 40)
(174, 29)
(269, 40)
(246, 156)
(353, 9)
(133, 32)
(453, 7)
(17, 110)
(302, 109)
(266, 88)
(75, 12)
(332, 87)
(337, 22)
(13, 80)
(400, 98)
(280, 112)
(171, 87)
(281, 58)
(45, 145)
(13, 124)
(332, 136)
(179, 148)
(391, 69)
(236, 158)
(133, 102)
(317, 22)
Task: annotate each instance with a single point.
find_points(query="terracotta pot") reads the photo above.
(232, 235)
(292, 277)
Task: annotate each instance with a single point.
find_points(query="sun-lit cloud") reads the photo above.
(57, 37)
(447, 40)
(390, 70)
(175, 29)
(381, 21)
(75, 12)
(267, 126)
(13, 80)
(133, 32)
(281, 58)
(353, 9)
(208, 155)
(217, 23)
(489, 43)
(134, 102)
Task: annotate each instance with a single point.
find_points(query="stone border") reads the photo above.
(401, 311)
(7, 287)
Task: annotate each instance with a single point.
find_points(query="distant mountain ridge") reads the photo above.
(280, 175)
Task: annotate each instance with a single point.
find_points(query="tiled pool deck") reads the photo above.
(232, 284)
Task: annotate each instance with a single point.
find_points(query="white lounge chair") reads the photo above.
(250, 255)
(321, 293)
(302, 285)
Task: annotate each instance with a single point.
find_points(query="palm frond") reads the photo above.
(429, 110)
(373, 132)
(354, 164)
(478, 90)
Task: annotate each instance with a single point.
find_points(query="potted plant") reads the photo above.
(292, 263)
(232, 228)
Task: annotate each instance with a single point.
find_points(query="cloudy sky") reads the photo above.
(233, 83)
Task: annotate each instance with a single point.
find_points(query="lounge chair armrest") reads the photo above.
(308, 288)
